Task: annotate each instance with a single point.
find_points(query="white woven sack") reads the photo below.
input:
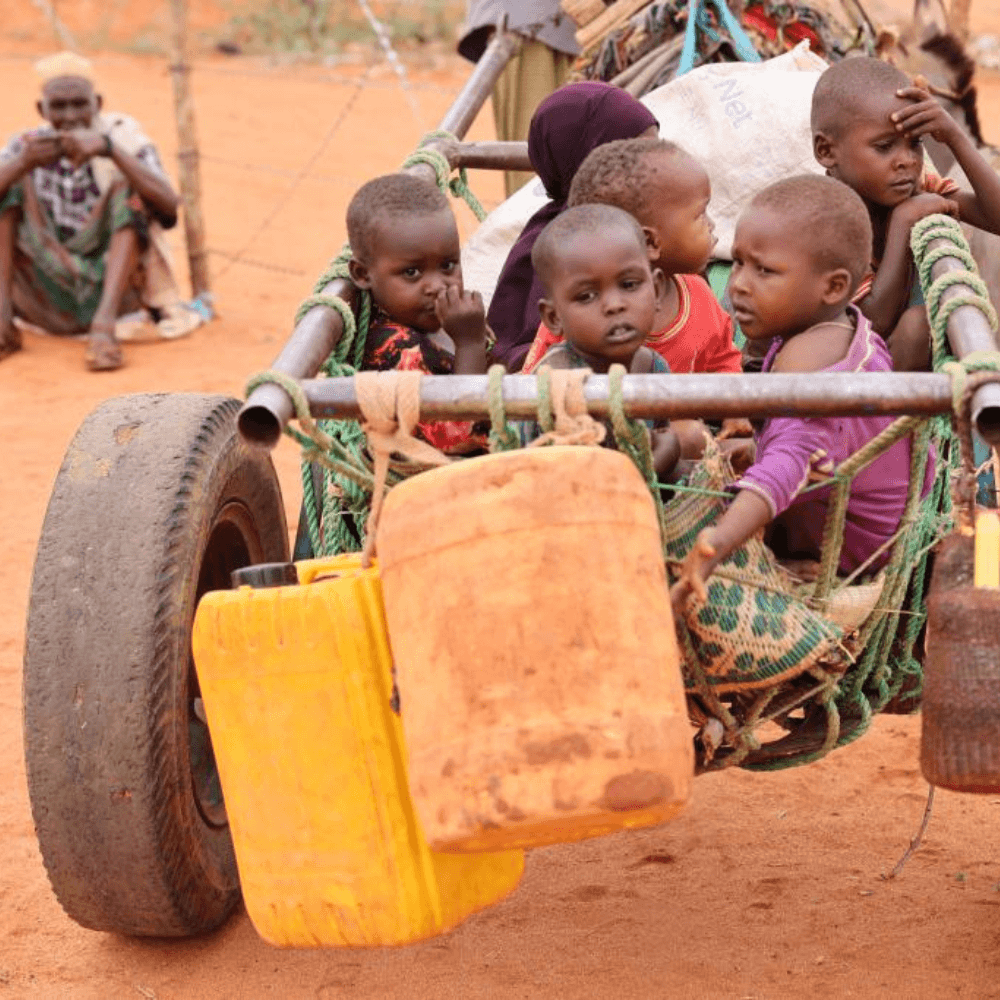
(746, 123)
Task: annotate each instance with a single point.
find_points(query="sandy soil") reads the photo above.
(769, 886)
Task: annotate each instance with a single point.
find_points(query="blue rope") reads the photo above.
(698, 18)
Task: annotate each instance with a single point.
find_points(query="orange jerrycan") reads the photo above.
(296, 683)
(535, 653)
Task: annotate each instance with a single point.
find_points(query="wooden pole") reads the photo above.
(187, 152)
(958, 18)
(48, 9)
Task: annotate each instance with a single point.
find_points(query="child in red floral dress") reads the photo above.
(405, 251)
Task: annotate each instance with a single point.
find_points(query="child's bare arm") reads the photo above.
(747, 514)
(463, 318)
(666, 452)
(889, 295)
(927, 117)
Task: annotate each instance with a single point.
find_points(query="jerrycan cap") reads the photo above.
(274, 574)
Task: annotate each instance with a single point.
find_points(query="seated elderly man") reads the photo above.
(84, 201)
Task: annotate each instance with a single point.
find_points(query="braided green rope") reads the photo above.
(631, 436)
(546, 417)
(438, 162)
(931, 257)
(339, 445)
(503, 437)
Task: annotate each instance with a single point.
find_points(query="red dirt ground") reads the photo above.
(768, 886)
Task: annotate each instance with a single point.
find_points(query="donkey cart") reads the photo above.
(166, 502)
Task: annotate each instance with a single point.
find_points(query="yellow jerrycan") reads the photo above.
(297, 684)
(531, 628)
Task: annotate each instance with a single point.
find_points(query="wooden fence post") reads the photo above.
(958, 18)
(187, 151)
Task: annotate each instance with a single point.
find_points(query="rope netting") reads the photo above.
(337, 474)
(764, 726)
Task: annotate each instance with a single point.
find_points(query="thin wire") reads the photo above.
(299, 178)
(382, 34)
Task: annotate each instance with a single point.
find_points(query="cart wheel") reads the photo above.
(157, 501)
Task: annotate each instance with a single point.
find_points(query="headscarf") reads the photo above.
(568, 124)
(63, 64)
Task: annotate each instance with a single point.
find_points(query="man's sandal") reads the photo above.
(104, 354)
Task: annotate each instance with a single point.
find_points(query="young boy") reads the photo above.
(668, 192)
(799, 254)
(601, 300)
(405, 250)
(868, 121)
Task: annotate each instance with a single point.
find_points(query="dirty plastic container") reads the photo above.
(296, 683)
(535, 653)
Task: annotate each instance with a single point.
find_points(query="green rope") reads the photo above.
(546, 416)
(631, 436)
(503, 437)
(338, 446)
(438, 162)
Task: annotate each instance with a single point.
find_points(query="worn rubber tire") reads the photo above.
(156, 501)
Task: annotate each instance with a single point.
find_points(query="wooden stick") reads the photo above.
(582, 11)
(614, 17)
(62, 33)
(915, 841)
(187, 151)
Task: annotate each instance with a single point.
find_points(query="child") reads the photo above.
(600, 299)
(799, 254)
(405, 250)
(567, 125)
(867, 122)
(667, 191)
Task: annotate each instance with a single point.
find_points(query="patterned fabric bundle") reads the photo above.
(752, 631)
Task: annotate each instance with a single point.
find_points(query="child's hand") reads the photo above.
(462, 315)
(735, 427)
(925, 116)
(694, 569)
(911, 211)
(741, 453)
(666, 452)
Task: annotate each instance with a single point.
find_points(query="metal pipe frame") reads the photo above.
(659, 397)
(269, 408)
(968, 331)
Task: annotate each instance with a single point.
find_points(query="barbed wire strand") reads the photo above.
(298, 179)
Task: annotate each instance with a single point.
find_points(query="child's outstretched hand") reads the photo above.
(735, 427)
(925, 116)
(462, 315)
(694, 569)
(740, 451)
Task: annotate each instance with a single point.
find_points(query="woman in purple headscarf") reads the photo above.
(568, 124)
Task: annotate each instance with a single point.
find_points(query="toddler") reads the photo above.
(405, 248)
(668, 192)
(600, 300)
(800, 251)
(566, 126)
(868, 122)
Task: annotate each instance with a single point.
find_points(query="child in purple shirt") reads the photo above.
(801, 248)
